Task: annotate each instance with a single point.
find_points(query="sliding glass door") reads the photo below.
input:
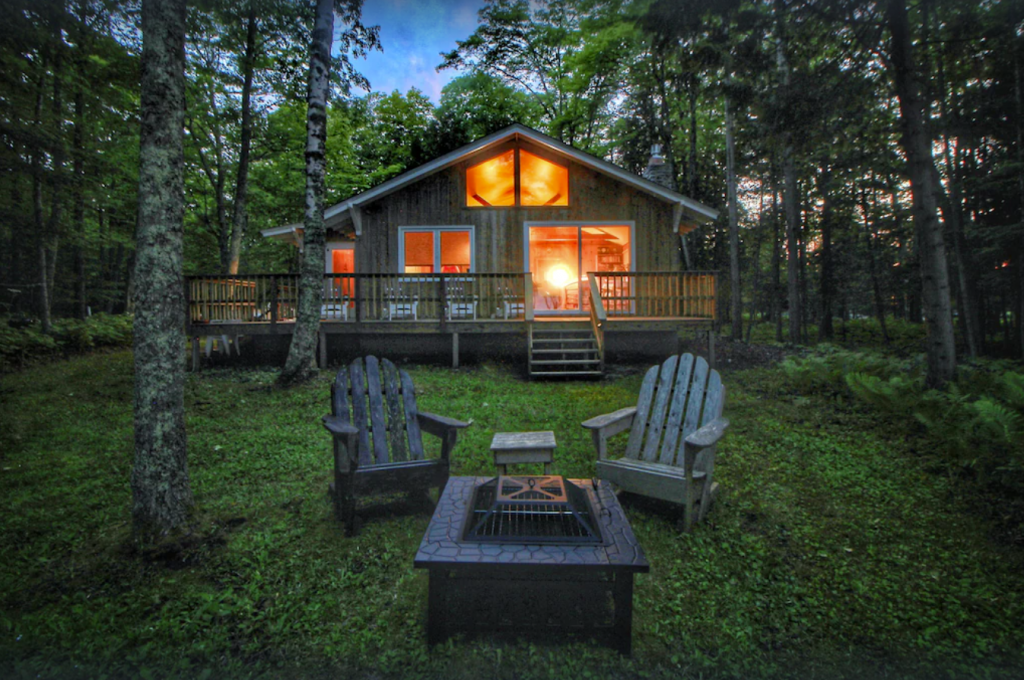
(560, 255)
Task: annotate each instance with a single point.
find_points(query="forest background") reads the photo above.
(805, 91)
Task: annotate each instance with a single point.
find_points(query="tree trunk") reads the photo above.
(129, 285)
(114, 289)
(825, 330)
(38, 219)
(916, 144)
(735, 293)
(1020, 190)
(953, 211)
(78, 215)
(161, 493)
(301, 354)
(51, 235)
(756, 262)
(789, 204)
(876, 290)
(241, 216)
(776, 266)
(691, 163)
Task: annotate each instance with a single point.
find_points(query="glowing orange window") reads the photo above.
(542, 182)
(492, 182)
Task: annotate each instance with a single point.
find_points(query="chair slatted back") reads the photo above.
(380, 400)
(676, 398)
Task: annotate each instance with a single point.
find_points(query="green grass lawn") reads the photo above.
(833, 552)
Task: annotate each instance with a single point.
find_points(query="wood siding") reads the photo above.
(439, 200)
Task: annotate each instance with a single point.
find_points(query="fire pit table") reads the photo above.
(533, 555)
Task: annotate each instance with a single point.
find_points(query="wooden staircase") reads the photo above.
(564, 349)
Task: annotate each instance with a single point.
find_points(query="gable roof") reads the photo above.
(348, 210)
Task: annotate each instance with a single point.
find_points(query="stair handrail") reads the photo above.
(598, 315)
(528, 297)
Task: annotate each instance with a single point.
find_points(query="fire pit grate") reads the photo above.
(548, 509)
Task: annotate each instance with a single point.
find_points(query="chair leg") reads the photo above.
(687, 523)
(345, 502)
(349, 510)
(707, 499)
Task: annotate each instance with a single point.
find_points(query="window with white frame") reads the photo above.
(433, 250)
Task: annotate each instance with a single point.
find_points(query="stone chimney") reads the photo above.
(659, 169)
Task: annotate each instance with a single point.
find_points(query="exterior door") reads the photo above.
(559, 256)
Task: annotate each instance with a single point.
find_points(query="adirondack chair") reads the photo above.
(377, 427)
(673, 430)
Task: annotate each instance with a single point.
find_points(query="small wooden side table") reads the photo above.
(513, 448)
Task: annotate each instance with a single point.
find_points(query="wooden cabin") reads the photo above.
(515, 234)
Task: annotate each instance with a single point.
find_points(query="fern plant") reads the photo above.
(896, 396)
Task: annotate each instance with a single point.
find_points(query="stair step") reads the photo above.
(566, 362)
(564, 352)
(537, 339)
(588, 350)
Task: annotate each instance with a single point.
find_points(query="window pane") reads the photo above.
(492, 182)
(542, 183)
(455, 255)
(606, 249)
(554, 262)
(343, 262)
(419, 252)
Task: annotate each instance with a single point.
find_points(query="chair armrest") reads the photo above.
(339, 428)
(607, 425)
(618, 417)
(707, 435)
(439, 425)
(445, 428)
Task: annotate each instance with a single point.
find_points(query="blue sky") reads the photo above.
(414, 33)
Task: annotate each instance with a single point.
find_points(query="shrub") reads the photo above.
(975, 425)
(26, 345)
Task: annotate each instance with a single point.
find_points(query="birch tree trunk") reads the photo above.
(735, 294)
(241, 216)
(161, 494)
(916, 144)
(302, 353)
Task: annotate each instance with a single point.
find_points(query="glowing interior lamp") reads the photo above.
(558, 276)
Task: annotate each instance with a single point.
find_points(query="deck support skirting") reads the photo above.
(360, 334)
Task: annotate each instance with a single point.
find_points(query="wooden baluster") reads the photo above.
(357, 291)
(273, 300)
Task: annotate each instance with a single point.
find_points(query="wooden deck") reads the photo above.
(448, 304)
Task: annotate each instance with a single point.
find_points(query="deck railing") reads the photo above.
(242, 298)
(262, 298)
(272, 298)
(424, 297)
(598, 317)
(657, 294)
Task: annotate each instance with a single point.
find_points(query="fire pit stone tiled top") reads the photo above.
(442, 543)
